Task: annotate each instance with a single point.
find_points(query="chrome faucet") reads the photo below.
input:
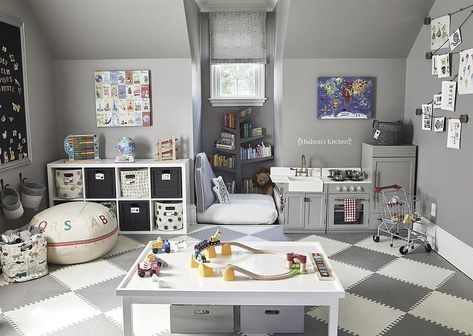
(303, 169)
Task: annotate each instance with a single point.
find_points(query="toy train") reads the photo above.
(160, 246)
(202, 245)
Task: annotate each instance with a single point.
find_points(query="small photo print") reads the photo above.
(146, 105)
(128, 77)
(437, 101)
(107, 105)
(130, 106)
(443, 65)
(435, 69)
(145, 77)
(122, 91)
(129, 91)
(136, 77)
(455, 39)
(124, 119)
(114, 92)
(114, 77)
(108, 119)
(146, 118)
(138, 119)
(454, 133)
(106, 91)
(439, 124)
(121, 77)
(427, 111)
(99, 105)
(440, 32)
(137, 91)
(106, 77)
(98, 77)
(145, 91)
(98, 91)
(138, 105)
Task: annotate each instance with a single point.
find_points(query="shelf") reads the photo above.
(227, 151)
(228, 129)
(245, 118)
(248, 139)
(257, 160)
(225, 169)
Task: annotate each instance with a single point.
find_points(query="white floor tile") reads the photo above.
(54, 314)
(148, 320)
(124, 244)
(416, 273)
(330, 246)
(383, 246)
(360, 316)
(250, 239)
(248, 229)
(83, 275)
(349, 274)
(446, 310)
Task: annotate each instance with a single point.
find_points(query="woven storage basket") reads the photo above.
(168, 216)
(11, 204)
(24, 261)
(390, 133)
(69, 183)
(134, 183)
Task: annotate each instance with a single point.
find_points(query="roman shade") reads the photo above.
(237, 37)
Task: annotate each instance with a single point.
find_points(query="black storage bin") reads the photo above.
(389, 133)
(100, 183)
(134, 215)
(166, 182)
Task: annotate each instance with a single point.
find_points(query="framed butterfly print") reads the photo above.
(15, 149)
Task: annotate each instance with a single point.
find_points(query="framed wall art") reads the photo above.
(345, 97)
(123, 98)
(15, 149)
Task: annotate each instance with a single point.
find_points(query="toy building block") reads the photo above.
(210, 251)
(205, 271)
(228, 274)
(226, 249)
(194, 264)
(166, 149)
(214, 237)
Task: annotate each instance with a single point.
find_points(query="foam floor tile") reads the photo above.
(458, 285)
(363, 258)
(276, 234)
(102, 295)
(251, 239)
(5, 328)
(383, 246)
(248, 229)
(330, 246)
(83, 275)
(227, 233)
(95, 326)
(432, 258)
(124, 244)
(446, 310)
(346, 237)
(145, 319)
(413, 326)
(349, 275)
(416, 273)
(361, 316)
(54, 313)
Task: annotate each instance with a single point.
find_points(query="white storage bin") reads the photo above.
(272, 319)
(201, 319)
(134, 183)
(24, 261)
(168, 215)
(69, 183)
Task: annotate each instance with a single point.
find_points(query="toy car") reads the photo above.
(160, 246)
(148, 268)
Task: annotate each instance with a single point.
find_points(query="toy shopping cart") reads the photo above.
(399, 216)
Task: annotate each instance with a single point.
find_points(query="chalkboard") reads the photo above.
(14, 128)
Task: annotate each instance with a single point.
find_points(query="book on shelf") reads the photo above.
(223, 161)
(246, 112)
(248, 186)
(229, 120)
(257, 131)
(231, 187)
(255, 152)
(246, 129)
(226, 141)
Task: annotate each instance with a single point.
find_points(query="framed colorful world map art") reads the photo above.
(345, 97)
(123, 98)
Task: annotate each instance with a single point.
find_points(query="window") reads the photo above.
(237, 84)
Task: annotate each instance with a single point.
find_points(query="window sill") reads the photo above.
(237, 101)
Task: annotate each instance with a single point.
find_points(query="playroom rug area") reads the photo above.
(387, 294)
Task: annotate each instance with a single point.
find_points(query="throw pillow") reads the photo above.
(220, 190)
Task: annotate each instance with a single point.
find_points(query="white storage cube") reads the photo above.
(134, 183)
(168, 215)
(272, 319)
(202, 319)
(69, 183)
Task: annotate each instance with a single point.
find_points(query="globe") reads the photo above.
(126, 146)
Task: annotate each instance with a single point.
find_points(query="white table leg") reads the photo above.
(127, 316)
(333, 318)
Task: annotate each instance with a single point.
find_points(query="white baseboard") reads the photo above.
(451, 248)
(192, 214)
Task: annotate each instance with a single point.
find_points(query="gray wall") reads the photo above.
(39, 67)
(171, 89)
(443, 175)
(300, 103)
(212, 117)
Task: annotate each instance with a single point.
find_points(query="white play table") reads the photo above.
(184, 286)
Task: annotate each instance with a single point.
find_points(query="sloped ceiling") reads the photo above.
(106, 29)
(353, 28)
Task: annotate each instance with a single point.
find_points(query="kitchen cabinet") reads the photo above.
(388, 165)
(304, 212)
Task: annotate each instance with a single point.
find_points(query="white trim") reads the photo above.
(236, 5)
(257, 100)
(191, 214)
(451, 248)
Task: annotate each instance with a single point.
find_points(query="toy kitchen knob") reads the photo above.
(345, 189)
(352, 188)
(359, 188)
(338, 188)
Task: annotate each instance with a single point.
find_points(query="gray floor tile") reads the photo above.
(276, 234)
(5, 328)
(363, 258)
(145, 238)
(227, 233)
(313, 326)
(432, 258)
(350, 238)
(20, 294)
(391, 292)
(412, 326)
(459, 285)
(97, 326)
(102, 295)
(125, 260)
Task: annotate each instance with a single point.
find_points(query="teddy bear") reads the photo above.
(264, 181)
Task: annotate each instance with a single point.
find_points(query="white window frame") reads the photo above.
(257, 100)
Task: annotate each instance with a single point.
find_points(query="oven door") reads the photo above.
(336, 212)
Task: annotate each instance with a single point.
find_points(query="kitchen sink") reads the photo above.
(309, 184)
